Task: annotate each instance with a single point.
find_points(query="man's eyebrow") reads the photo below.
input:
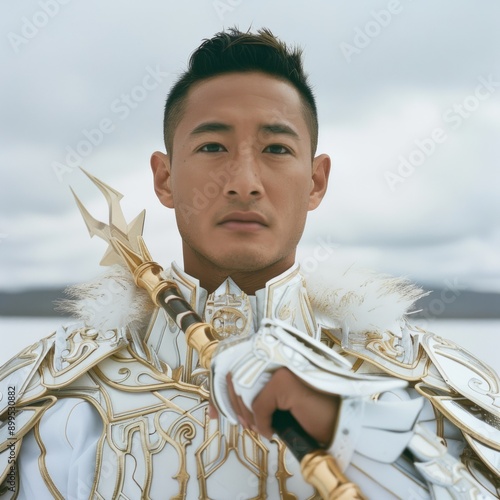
(211, 127)
(279, 128)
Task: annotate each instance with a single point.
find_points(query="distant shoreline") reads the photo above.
(441, 303)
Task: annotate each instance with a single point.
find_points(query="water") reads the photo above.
(480, 337)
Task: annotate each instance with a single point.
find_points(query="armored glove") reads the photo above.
(380, 430)
(252, 360)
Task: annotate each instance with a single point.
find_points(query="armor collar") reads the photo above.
(284, 297)
(231, 311)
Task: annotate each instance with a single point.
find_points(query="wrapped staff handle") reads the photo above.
(318, 467)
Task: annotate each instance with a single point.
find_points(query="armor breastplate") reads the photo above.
(159, 438)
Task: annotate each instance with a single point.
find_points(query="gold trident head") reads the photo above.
(117, 229)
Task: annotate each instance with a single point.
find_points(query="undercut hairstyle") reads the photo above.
(234, 51)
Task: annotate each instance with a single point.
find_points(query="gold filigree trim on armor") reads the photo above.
(183, 434)
(387, 346)
(387, 350)
(248, 448)
(203, 474)
(179, 435)
(282, 473)
(268, 313)
(127, 432)
(472, 378)
(24, 358)
(307, 313)
(98, 466)
(375, 352)
(77, 351)
(37, 409)
(178, 427)
(458, 409)
(177, 373)
(478, 450)
(480, 472)
(131, 374)
(357, 365)
(171, 387)
(42, 465)
(169, 404)
(136, 375)
(328, 338)
(40, 407)
(440, 423)
(79, 356)
(284, 312)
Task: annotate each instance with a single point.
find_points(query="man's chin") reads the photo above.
(244, 262)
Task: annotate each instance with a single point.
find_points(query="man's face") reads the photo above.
(241, 178)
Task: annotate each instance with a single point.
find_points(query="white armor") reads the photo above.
(116, 406)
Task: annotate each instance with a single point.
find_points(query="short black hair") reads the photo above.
(233, 51)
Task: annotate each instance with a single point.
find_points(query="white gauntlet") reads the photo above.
(362, 423)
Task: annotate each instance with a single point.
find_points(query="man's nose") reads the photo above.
(244, 177)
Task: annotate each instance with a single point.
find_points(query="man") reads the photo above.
(117, 406)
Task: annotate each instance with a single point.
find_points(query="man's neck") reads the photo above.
(211, 276)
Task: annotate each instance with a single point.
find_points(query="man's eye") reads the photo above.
(277, 149)
(213, 147)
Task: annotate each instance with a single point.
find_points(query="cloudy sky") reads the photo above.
(409, 100)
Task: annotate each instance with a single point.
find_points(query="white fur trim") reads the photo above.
(111, 301)
(359, 301)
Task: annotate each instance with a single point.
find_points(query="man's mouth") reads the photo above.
(243, 221)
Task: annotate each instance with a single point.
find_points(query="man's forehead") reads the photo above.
(252, 84)
(265, 128)
(218, 99)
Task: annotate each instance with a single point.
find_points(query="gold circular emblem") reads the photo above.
(228, 322)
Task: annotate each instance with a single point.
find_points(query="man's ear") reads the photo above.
(160, 165)
(319, 180)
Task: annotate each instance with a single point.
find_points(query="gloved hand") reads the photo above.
(281, 368)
